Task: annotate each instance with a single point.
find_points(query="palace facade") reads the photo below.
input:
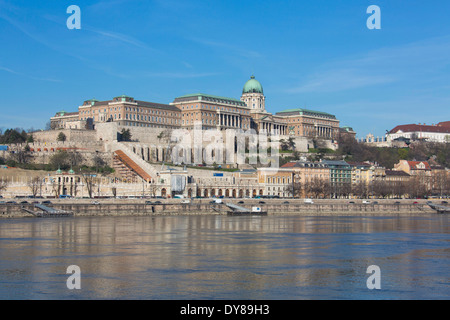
(213, 112)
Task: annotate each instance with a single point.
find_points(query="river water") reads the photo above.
(226, 257)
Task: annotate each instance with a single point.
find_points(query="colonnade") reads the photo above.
(230, 120)
(280, 129)
(326, 132)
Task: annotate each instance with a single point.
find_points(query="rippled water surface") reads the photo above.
(221, 257)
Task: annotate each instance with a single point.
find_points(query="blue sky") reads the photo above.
(311, 54)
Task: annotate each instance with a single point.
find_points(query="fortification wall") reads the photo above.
(72, 135)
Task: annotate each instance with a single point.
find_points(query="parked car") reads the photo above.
(241, 202)
(148, 202)
(46, 202)
(185, 201)
(261, 202)
(309, 201)
(444, 202)
(23, 202)
(158, 202)
(351, 202)
(95, 202)
(286, 202)
(366, 202)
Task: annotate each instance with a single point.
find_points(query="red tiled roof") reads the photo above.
(442, 127)
(288, 165)
(444, 124)
(413, 165)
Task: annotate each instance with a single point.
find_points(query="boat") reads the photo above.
(47, 212)
(241, 211)
(438, 207)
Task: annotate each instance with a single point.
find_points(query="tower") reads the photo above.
(253, 95)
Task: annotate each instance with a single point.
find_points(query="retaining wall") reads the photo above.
(139, 209)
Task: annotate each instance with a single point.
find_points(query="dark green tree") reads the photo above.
(125, 135)
(61, 137)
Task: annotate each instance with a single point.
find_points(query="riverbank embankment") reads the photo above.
(142, 207)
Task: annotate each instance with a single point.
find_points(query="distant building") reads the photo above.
(435, 133)
(340, 177)
(310, 123)
(392, 176)
(362, 172)
(413, 167)
(212, 111)
(307, 175)
(130, 112)
(275, 181)
(65, 120)
(347, 131)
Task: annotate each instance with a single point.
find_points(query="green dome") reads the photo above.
(252, 86)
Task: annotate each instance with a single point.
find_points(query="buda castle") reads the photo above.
(213, 112)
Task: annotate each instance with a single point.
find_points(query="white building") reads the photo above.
(436, 132)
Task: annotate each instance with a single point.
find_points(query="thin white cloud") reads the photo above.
(339, 80)
(28, 75)
(414, 62)
(120, 37)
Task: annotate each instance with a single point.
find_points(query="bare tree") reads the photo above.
(440, 182)
(35, 185)
(360, 190)
(56, 187)
(417, 188)
(75, 159)
(154, 188)
(20, 156)
(294, 189)
(380, 189)
(90, 182)
(3, 185)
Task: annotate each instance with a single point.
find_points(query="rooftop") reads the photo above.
(304, 164)
(305, 112)
(208, 97)
(441, 127)
(252, 86)
(396, 173)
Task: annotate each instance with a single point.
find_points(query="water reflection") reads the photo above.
(221, 257)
